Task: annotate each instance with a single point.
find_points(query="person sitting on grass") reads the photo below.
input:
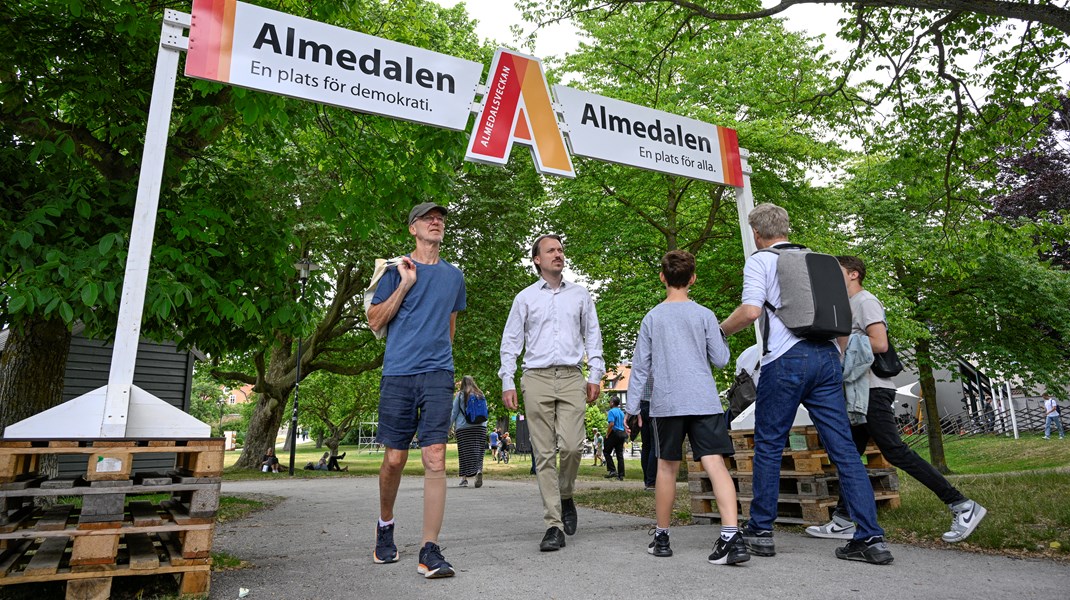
(270, 462)
(678, 339)
(330, 463)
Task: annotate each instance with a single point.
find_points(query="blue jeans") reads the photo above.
(809, 374)
(1058, 423)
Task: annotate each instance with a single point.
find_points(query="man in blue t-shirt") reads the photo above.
(417, 302)
(615, 440)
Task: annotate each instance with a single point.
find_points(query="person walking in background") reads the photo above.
(868, 319)
(797, 371)
(1051, 415)
(471, 437)
(678, 340)
(615, 439)
(494, 444)
(417, 302)
(555, 323)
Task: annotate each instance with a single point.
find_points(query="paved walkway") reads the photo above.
(316, 544)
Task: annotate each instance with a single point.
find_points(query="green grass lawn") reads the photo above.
(1023, 483)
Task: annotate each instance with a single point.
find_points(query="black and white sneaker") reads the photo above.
(660, 545)
(872, 550)
(729, 552)
(758, 543)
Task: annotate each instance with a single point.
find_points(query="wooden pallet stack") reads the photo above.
(809, 486)
(113, 533)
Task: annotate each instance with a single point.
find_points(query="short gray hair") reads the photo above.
(769, 221)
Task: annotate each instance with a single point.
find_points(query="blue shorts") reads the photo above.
(411, 404)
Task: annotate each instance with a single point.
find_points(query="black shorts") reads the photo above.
(708, 435)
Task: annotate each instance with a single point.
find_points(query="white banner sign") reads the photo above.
(246, 45)
(629, 134)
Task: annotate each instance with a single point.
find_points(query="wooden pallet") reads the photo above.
(61, 559)
(111, 459)
(799, 438)
(809, 485)
(818, 490)
(810, 462)
(114, 533)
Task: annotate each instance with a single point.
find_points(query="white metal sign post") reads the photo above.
(242, 44)
(120, 408)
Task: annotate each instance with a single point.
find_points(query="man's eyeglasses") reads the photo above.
(432, 217)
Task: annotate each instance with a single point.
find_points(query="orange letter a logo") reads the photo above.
(517, 109)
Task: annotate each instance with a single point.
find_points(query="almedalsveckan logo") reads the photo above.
(517, 109)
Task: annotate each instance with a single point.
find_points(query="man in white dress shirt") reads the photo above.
(554, 323)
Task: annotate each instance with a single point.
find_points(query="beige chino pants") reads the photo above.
(555, 401)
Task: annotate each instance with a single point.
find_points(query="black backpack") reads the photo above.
(813, 297)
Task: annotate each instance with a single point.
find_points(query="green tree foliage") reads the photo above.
(253, 182)
(208, 401)
(618, 222)
(337, 404)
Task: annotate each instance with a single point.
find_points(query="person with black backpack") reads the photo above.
(469, 420)
(880, 426)
(802, 301)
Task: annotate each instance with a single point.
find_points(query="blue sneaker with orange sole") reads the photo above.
(385, 550)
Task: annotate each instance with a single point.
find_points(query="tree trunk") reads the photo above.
(31, 369)
(263, 429)
(932, 412)
(332, 445)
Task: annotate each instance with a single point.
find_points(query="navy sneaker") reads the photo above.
(432, 564)
(385, 550)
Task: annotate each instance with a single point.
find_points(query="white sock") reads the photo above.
(383, 523)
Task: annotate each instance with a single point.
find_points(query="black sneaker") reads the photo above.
(568, 515)
(660, 545)
(730, 552)
(432, 564)
(610, 475)
(553, 540)
(758, 543)
(385, 550)
(872, 550)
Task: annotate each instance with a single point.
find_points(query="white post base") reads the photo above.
(83, 417)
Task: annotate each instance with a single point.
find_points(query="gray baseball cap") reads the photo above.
(422, 209)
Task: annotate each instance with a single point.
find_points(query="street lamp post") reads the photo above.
(304, 269)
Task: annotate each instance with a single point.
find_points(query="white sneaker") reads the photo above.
(836, 529)
(967, 516)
